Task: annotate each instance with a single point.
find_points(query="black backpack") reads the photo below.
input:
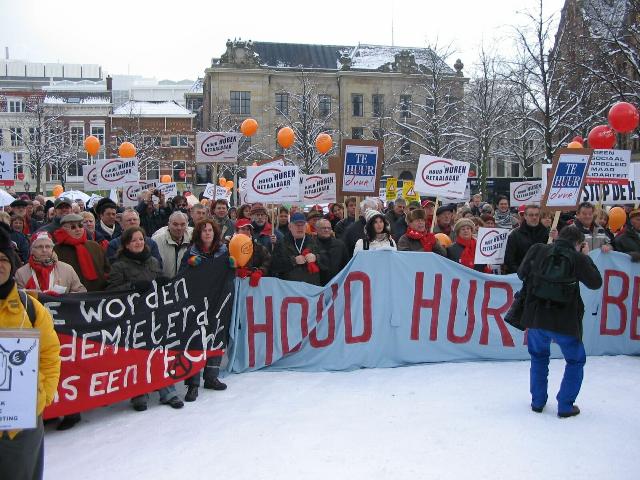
(554, 279)
(28, 305)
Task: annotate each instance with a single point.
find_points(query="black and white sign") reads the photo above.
(318, 188)
(441, 177)
(217, 147)
(273, 184)
(609, 167)
(490, 245)
(615, 194)
(115, 172)
(7, 173)
(525, 193)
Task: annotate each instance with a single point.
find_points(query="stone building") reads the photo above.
(350, 91)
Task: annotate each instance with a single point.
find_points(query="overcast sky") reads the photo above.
(177, 39)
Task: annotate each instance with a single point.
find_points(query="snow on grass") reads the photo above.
(444, 421)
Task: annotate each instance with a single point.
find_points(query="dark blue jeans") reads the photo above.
(539, 342)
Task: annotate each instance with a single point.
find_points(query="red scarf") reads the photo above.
(26, 225)
(468, 256)
(427, 239)
(312, 267)
(43, 273)
(84, 257)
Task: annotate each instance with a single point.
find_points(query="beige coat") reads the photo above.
(170, 251)
(63, 275)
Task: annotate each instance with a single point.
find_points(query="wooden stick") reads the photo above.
(435, 209)
(554, 225)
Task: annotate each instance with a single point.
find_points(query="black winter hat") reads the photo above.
(103, 204)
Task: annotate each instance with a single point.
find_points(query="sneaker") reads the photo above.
(215, 384)
(174, 402)
(68, 421)
(571, 413)
(192, 394)
(537, 409)
(140, 406)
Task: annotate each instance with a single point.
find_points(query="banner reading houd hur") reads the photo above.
(525, 193)
(273, 184)
(318, 188)
(441, 177)
(112, 173)
(217, 147)
(491, 245)
(118, 345)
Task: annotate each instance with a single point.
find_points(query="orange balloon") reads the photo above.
(249, 127)
(92, 145)
(617, 218)
(324, 143)
(574, 145)
(443, 239)
(57, 190)
(241, 249)
(165, 179)
(204, 201)
(127, 150)
(286, 137)
(229, 184)
(222, 182)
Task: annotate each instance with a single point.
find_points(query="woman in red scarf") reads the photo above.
(44, 272)
(417, 238)
(85, 256)
(463, 250)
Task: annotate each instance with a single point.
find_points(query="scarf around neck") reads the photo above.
(469, 253)
(109, 230)
(84, 257)
(43, 270)
(427, 239)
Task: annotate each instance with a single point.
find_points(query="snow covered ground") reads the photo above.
(444, 421)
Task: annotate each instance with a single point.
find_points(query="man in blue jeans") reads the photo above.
(558, 320)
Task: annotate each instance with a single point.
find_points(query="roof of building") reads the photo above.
(151, 109)
(89, 100)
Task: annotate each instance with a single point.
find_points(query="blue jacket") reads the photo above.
(114, 246)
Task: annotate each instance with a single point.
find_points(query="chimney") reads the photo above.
(109, 83)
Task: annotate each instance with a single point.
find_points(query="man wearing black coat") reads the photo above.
(106, 223)
(561, 323)
(629, 240)
(333, 250)
(521, 239)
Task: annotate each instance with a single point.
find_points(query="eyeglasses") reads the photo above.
(73, 226)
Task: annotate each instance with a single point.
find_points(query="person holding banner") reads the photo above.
(377, 234)
(553, 311)
(521, 239)
(463, 249)
(22, 451)
(206, 242)
(297, 257)
(417, 237)
(258, 265)
(333, 250)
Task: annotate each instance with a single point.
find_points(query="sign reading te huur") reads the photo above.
(568, 175)
(217, 147)
(273, 184)
(19, 361)
(361, 166)
(116, 171)
(441, 177)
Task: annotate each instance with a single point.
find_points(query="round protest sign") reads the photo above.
(435, 173)
(92, 176)
(269, 181)
(114, 171)
(526, 191)
(492, 242)
(216, 145)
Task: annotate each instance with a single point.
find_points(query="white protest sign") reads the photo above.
(90, 178)
(609, 167)
(242, 191)
(318, 188)
(7, 173)
(131, 191)
(441, 177)
(490, 245)
(273, 184)
(566, 184)
(222, 193)
(360, 169)
(209, 191)
(93, 200)
(217, 147)
(169, 189)
(382, 194)
(465, 198)
(116, 171)
(615, 194)
(525, 193)
(19, 362)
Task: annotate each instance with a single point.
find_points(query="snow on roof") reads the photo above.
(170, 109)
(54, 100)
(371, 57)
(605, 18)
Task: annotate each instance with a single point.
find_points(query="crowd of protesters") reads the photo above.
(66, 247)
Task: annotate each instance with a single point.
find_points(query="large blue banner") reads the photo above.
(387, 309)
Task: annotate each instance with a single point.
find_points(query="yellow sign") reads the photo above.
(392, 189)
(408, 192)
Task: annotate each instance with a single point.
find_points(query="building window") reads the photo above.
(500, 170)
(16, 137)
(515, 170)
(179, 170)
(153, 141)
(18, 164)
(377, 100)
(203, 173)
(1, 138)
(98, 132)
(34, 135)
(378, 133)
(240, 103)
(77, 135)
(16, 106)
(179, 141)
(357, 102)
(405, 106)
(150, 169)
(324, 105)
(357, 133)
(405, 145)
(282, 103)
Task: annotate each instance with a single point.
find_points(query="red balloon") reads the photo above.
(21, 176)
(624, 117)
(578, 139)
(182, 174)
(602, 137)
